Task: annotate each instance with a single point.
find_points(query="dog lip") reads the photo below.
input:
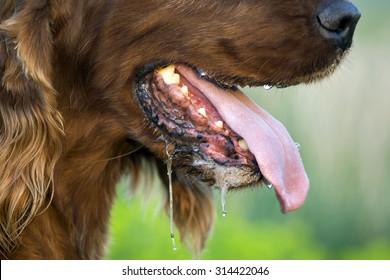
(217, 78)
(220, 82)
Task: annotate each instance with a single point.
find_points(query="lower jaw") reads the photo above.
(203, 168)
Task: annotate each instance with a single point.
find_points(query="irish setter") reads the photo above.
(94, 89)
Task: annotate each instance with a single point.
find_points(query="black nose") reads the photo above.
(338, 21)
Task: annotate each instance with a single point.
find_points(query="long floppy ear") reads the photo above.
(31, 130)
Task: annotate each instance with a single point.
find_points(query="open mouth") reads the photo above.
(220, 134)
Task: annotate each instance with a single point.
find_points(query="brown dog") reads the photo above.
(93, 89)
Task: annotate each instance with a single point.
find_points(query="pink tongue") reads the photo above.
(268, 140)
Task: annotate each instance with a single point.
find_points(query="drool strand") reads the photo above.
(169, 173)
(224, 190)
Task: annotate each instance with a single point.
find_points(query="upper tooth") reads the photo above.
(219, 124)
(202, 111)
(184, 90)
(169, 76)
(175, 79)
(243, 145)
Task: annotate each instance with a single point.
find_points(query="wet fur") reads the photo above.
(70, 125)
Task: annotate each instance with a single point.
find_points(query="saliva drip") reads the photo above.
(298, 146)
(267, 184)
(169, 172)
(224, 190)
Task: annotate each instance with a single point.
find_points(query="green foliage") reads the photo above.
(240, 239)
(374, 250)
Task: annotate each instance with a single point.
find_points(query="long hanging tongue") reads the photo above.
(276, 153)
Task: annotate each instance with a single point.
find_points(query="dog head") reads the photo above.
(163, 75)
(190, 59)
(185, 72)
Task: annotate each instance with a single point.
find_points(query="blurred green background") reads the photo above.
(343, 126)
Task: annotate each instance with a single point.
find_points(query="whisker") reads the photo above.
(125, 155)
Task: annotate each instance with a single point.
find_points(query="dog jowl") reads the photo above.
(95, 89)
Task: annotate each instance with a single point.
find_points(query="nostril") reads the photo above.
(344, 23)
(338, 21)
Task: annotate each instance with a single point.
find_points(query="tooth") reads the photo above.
(219, 124)
(243, 145)
(167, 71)
(184, 90)
(176, 79)
(169, 76)
(202, 111)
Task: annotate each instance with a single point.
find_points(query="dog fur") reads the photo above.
(71, 126)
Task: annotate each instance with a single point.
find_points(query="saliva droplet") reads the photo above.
(267, 184)
(298, 146)
(267, 87)
(173, 242)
